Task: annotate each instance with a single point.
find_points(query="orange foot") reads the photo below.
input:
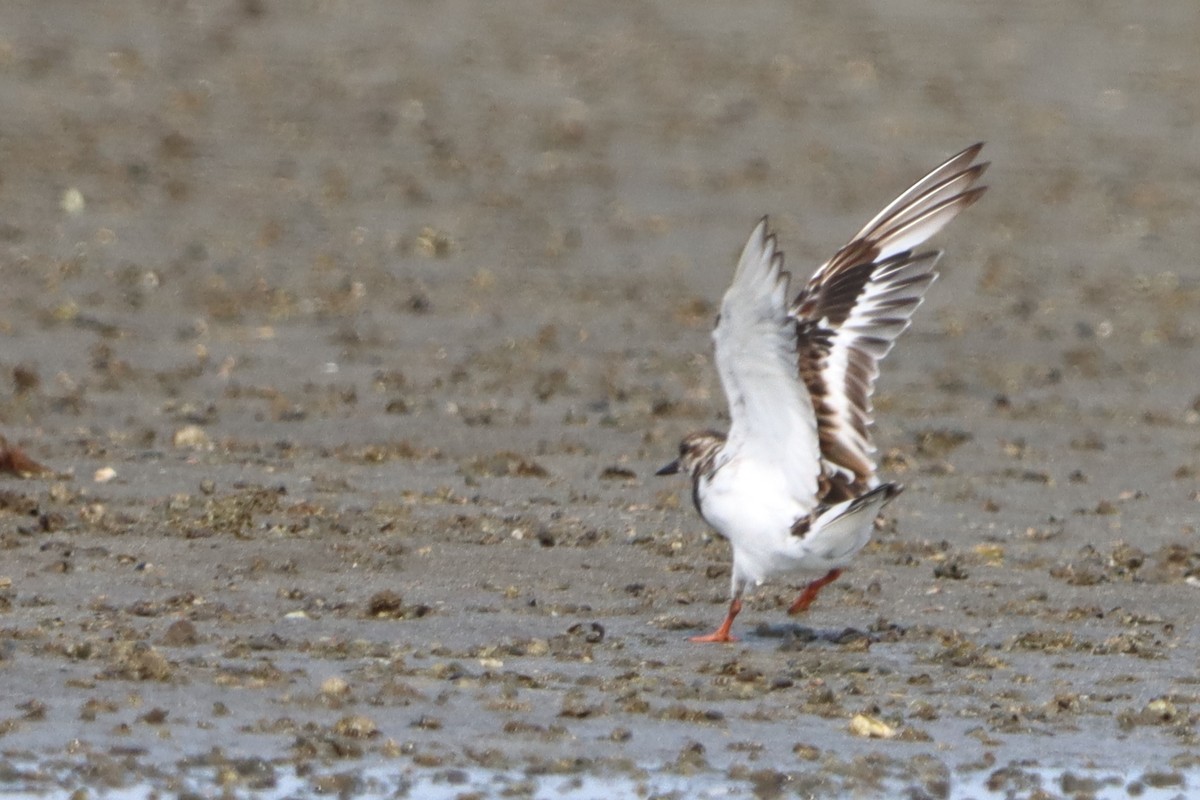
(721, 634)
(811, 591)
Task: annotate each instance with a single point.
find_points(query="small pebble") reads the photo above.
(191, 437)
(871, 728)
(72, 201)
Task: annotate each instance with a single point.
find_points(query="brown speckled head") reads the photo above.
(696, 454)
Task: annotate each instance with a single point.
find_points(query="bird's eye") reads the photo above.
(717, 321)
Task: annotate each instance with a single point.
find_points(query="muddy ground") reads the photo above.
(351, 335)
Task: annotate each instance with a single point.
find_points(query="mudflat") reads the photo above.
(350, 336)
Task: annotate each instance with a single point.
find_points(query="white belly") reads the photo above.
(754, 507)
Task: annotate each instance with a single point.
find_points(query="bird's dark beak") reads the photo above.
(669, 469)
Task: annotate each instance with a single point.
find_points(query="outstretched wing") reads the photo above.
(772, 417)
(858, 302)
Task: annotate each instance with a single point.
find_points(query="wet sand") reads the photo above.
(352, 334)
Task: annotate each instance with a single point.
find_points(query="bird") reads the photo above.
(792, 485)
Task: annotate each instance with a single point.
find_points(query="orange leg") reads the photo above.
(721, 634)
(812, 590)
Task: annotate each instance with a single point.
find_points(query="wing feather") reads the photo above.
(852, 310)
(944, 175)
(772, 416)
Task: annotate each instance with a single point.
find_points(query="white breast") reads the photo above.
(753, 506)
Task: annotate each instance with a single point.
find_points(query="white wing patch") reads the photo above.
(772, 416)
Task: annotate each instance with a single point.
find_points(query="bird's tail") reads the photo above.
(839, 531)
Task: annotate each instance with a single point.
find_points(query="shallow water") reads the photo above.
(378, 780)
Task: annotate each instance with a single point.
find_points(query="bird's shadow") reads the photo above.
(796, 637)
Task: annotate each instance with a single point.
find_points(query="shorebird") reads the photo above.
(792, 486)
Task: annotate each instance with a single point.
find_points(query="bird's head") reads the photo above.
(696, 453)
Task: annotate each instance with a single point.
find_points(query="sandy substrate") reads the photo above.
(352, 334)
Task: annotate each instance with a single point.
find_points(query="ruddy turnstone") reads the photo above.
(792, 486)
